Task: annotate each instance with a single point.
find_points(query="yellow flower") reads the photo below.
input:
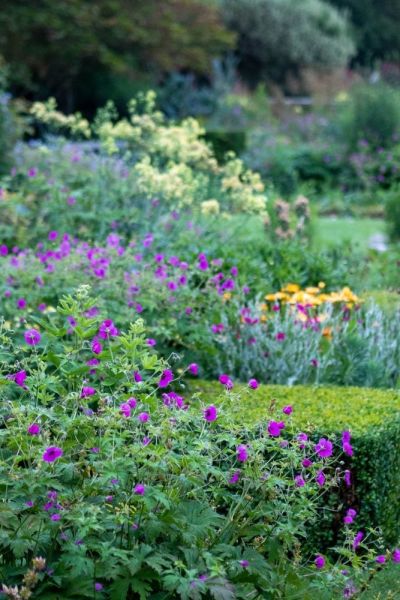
(302, 317)
(291, 288)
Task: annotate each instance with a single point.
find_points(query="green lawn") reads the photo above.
(331, 231)
(327, 231)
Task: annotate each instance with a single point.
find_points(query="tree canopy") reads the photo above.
(376, 25)
(57, 48)
(277, 38)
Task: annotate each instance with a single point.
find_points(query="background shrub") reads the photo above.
(9, 129)
(277, 38)
(372, 115)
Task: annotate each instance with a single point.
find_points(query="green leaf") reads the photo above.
(119, 589)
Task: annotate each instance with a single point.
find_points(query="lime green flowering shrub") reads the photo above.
(47, 114)
(115, 485)
(166, 160)
(372, 416)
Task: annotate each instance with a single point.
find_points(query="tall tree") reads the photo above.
(59, 47)
(279, 38)
(376, 25)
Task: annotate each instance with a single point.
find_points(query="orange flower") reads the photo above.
(327, 332)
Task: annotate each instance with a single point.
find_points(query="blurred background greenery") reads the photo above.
(84, 53)
(307, 93)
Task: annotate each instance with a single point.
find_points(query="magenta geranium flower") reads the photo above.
(34, 429)
(19, 378)
(107, 329)
(253, 384)
(234, 478)
(396, 555)
(226, 381)
(193, 369)
(203, 263)
(347, 478)
(97, 348)
(381, 559)
(357, 540)
(350, 516)
(52, 453)
(287, 410)
(125, 409)
(21, 303)
(302, 438)
(132, 402)
(137, 377)
(32, 337)
(217, 328)
(143, 417)
(139, 489)
(346, 443)
(166, 377)
(210, 413)
(299, 481)
(320, 478)
(87, 391)
(324, 448)
(319, 561)
(274, 428)
(241, 453)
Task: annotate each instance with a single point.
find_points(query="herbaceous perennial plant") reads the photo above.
(115, 484)
(201, 305)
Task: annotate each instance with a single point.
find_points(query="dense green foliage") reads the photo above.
(376, 28)
(145, 496)
(373, 418)
(130, 482)
(373, 115)
(186, 294)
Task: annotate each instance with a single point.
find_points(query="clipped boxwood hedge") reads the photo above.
(372, 416)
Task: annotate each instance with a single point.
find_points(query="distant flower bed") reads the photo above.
(201, 306)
